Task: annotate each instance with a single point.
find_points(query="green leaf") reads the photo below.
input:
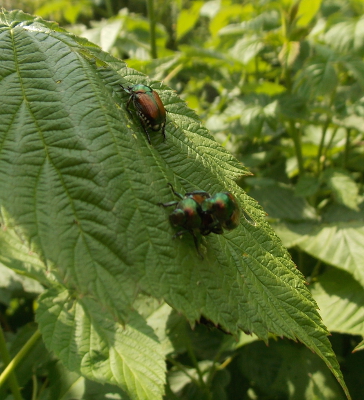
(187, 19)
(356, 66)
(105, 34)
(318, 77)
(347, 36)
(228, 13)
(246, 49)
(87, 339)
(292, 233)
(307, 9)
(289, 53)
(343, 186)
(341, 301)
(13, 284)
(279, 201)
(64, 385)
(80, 187)
(253, 113)
(292, 105)
(338, 241)
(307, 186)
(289, 371)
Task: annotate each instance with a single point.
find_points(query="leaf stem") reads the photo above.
(13, 382)
(193, 358)
(15, 361)
(151, 16)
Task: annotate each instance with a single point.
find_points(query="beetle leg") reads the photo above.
(174, 192)
(194, 239)
(128, 107)
(196, 244)
(171, 203)
(128, 103)
(200, 192)
(146, 131)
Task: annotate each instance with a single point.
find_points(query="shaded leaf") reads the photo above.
(318, 77)
(289, 371)
(13, 284)
(307, 186)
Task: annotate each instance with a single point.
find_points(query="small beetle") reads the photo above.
(149, 108)
(186, 215)
(225, 208)
(198, 212)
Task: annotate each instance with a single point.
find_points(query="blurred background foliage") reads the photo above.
(280, 84)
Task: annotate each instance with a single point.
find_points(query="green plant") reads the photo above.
(278, 97)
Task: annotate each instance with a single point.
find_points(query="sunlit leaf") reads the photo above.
(246, 48)
(89, 340)
(341, 301)
(228, 14)
(347, 36)
(343, 186)
(338, 241)
(307, 10)
(187, 18)
(287, 56)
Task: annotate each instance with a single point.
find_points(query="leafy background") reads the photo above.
(280, 86)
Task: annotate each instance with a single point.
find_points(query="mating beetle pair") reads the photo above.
(199, 212)
(149, 108)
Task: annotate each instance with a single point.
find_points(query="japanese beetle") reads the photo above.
(225, 208)
(186, 215)
(198, 212)
(149, 108)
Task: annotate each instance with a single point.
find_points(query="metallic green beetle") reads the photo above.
(199, 212)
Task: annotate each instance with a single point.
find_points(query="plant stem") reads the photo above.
(109, 10)
(15, 361)
(193, 358)
(151, 16)
(35, 387)
(296, 137)
(183, 369)
(347, 148)
(13, 382)
(319, 163)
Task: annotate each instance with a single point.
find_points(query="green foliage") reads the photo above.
(281, 86)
